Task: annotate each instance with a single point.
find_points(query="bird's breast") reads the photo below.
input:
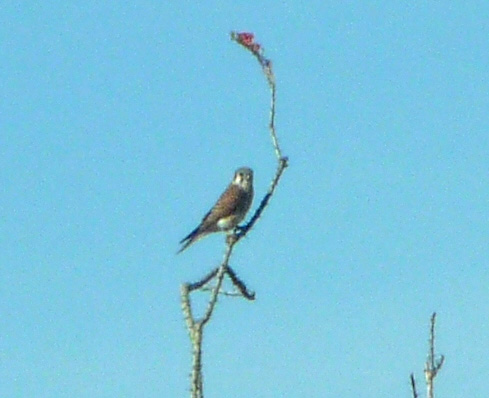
(230, 222)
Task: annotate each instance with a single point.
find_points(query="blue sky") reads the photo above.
(120, 126)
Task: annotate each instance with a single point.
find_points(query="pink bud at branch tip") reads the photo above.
(245, 38)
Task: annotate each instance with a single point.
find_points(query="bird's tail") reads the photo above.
(192, 237)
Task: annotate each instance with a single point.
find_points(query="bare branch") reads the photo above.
(224, 292)
(242, 290)
(204, 281)
(219, 277)
(247, 40)
(194, 326)
(240, 285)
(187, 308)
(432, 366)
(196, 382)
(264, 202)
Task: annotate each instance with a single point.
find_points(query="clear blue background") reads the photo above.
(120, 124)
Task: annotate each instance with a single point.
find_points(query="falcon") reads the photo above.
(229, 210)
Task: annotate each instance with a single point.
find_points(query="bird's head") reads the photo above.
(244, 178)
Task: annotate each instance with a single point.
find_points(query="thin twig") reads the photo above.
(242, 290)
(432, 366)
(219, 277)
(413, 386)
(247, 40)
(244, 230)
(223, 292)
(240, 285)
(204, 281)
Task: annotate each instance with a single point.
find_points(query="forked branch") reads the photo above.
(432, 365)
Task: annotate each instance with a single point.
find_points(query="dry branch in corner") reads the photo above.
(432, 365)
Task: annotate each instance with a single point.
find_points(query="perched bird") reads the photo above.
(228, 211)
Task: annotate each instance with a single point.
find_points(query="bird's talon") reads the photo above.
(231, 239)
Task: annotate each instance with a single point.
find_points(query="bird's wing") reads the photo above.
(225, 206)
(233, 202)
